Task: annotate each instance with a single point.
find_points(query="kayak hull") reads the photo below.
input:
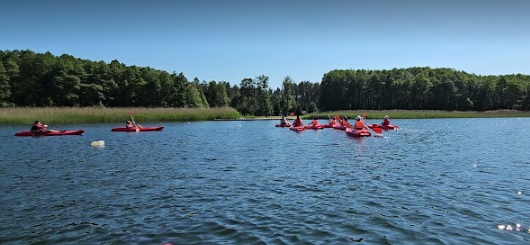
(53, 133)
(358, 133)
(386, 127)
(283, 126)
(311, 126)
(339, 127)
(142, 129)
(328, 125)
(297, 129)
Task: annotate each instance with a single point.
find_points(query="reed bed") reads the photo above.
(417, 114)
(66, 115)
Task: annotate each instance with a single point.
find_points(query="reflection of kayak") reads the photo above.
(283, 126)
(52, 133)
(386, 127)
(358, 133)
(124, 129)
(311, 126)
(297, 129)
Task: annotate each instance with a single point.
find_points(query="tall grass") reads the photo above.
(416, 114)
(64, 115)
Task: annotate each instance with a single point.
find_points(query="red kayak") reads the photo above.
(339, 127)
(297, 129)
(51, 133)
(358, 133)
(133, 129)
(328, 125)
(311, 126)
(385, 127)
(283, 126)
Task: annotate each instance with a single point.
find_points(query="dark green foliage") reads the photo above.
(422, 88)
(33, 79)
(5, 88)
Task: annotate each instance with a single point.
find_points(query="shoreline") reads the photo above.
(69, 115)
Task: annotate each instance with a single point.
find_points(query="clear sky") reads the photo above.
(234, 39)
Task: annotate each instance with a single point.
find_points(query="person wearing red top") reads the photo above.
(314, 122)
(385, 122)
(359, 124)
(344, 122)
(298, 121)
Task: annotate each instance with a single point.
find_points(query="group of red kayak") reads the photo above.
(39, 129)
(358, 129)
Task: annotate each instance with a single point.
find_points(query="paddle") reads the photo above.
(134, 123)
(378, 131)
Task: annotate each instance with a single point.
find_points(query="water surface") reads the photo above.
(439, 181)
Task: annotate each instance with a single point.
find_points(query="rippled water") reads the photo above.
(443, 181)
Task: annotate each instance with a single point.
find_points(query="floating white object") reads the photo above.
(98, 143)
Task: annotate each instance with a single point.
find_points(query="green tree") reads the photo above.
(263, 96)
(5, 88)
(288, 102)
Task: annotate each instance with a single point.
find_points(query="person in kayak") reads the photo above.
(129, 124)
(359, 124)
(385, 122)
(298, 121)
(37, 127)
(332, 120)
(284, 121)
(314, 122)
(344, 122)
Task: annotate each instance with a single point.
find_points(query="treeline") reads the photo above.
(43, 80)
(29, 79)
(423, 88)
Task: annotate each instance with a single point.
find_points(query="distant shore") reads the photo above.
(66, 115)
(405, 114)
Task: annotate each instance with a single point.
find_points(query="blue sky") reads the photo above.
(234, 39)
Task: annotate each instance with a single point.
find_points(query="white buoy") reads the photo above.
(98, 143)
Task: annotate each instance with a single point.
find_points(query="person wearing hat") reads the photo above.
(359, 124)
(385, 122)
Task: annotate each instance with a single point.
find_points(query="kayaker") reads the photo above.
(386, 121)
(314, 122)
(332, 120)
(298, 121)
(284, 121)
(345, 122)
(37, 127)
(359, 124)
(129, 124)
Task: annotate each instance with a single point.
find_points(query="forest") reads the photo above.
(29, 79)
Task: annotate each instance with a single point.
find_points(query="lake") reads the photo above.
(434, 181)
